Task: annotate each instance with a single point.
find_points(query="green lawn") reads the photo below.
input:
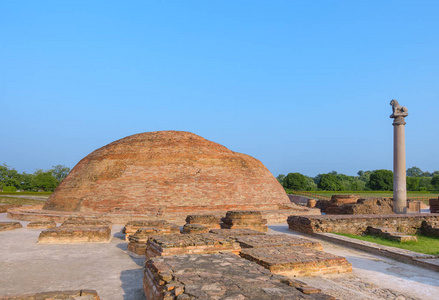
(23, 198)
(426, 245)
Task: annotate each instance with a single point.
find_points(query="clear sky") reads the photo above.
(303, 86)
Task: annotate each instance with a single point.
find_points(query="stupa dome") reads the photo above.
(164, 172)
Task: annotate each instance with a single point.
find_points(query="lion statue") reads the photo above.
(398, 110)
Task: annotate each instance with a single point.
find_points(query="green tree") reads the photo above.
(435, 182)
(60, 172)
(329, 182)
(9, 176)
(425, 184)
(295, 181)
(44, 181)
(412, 183)
(414, 172)
(280, 178)
(381, 180)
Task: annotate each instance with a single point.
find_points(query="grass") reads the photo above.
(425, 244)
(44, 194)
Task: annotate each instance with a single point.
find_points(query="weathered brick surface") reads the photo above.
(209, 221)
(194, 228)
(244, 219)
(74, 235)
(4, 207)
(9, 225)
(161, 226)
(160, 172)
(275, 240)
(41, 225)
(233, 233)
(357, 224)
(75, 222)
(390, 234)
(56, 295)
(218, 276)
(297, 261)
(137, 241)
(197, 243)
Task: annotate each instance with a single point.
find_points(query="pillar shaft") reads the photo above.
(399, 167)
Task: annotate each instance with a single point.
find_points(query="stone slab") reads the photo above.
(57, 295)
(297, 260)
(75, 235)
(196, 243)
(9, 225)
(41, 225)
(217, 276)
(275, 240)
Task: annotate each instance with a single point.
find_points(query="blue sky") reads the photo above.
(303, 86)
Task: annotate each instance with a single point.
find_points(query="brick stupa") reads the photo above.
(166, 175)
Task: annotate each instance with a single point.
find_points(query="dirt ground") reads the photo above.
(26, 267)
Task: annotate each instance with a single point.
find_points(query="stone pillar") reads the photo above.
(399, 167)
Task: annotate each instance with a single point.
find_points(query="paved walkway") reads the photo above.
(26, 267)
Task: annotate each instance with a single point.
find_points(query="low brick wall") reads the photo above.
(357, 224)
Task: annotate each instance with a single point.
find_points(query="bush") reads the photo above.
(9, 189)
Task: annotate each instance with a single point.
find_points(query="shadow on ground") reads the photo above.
(132, 284)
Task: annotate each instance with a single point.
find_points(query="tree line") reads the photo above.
(377, 180)
(41, 180)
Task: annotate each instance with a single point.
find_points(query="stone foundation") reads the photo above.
(297, 261)
(201, 243)
(275, 240)
(218, 276)
(137, 242)
(58, 295)
(161, 226)
(41, 225)
(244, 219)
(9, 225)
(75, 235)
(389, 234)
(357, 224)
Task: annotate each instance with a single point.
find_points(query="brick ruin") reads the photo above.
(219, 276)
(41, 225)
(199, 243)
(355, 205)
(164, 175)
(357, 224)
(244, 219)
(294, 261)
(160, 226)
(9, 225)
(74, 231)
